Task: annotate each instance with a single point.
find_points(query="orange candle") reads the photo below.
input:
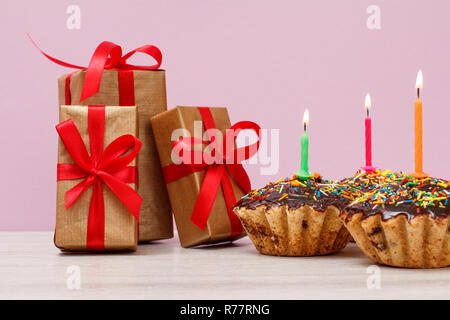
(418, 172)
(418, 138)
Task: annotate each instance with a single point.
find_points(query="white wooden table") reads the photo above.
(32, 268)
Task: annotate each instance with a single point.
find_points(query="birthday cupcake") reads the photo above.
(361, 182)
(355, 186)
(400, 220)
(295, 217)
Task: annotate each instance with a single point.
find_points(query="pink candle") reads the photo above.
(368, 167)
(368, 142)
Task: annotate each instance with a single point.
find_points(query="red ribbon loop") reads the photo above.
(109, 166)
(107, 56)
(218, 168)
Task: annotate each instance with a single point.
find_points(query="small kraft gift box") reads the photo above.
(97, 204)
(202, 170)
(111, 80)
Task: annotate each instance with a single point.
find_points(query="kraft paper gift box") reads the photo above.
(111, 80)
(221, 224)
(150, 99)
(119, 230)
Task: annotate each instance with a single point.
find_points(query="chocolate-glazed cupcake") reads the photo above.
(353, 190)
(294, 217)
(399, 220)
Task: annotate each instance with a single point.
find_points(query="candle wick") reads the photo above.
(367, 110)
(304, 127)
(418, 93)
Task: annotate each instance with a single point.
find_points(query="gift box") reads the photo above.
(201, 194)
(150, 98)
(111, 80)
(97, 203)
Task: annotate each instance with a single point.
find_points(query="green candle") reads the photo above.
(304, 171)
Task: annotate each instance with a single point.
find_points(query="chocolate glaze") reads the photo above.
(294, 196)
(342, 195)
(407, 209)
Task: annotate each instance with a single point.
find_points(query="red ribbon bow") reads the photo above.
(109, 167)
(108, 55)
(216, 173)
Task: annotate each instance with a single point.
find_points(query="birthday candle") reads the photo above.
(304, 170)
(418, 156)
(368, 124)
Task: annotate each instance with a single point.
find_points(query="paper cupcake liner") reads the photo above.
(300, 232)
(422, 242)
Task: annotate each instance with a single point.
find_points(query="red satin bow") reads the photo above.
(216, 173)
(107, 56)
(109, 167)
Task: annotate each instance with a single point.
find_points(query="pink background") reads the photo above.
(265, 60)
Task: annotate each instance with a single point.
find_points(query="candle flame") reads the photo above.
(419, 80)
(306, 118)
(368, 102)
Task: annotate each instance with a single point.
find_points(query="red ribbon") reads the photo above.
(108, 56)
(109, 166)
(216, 173)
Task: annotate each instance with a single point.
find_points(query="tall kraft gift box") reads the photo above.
(97, 218)
(218, 223)
(148, 93)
